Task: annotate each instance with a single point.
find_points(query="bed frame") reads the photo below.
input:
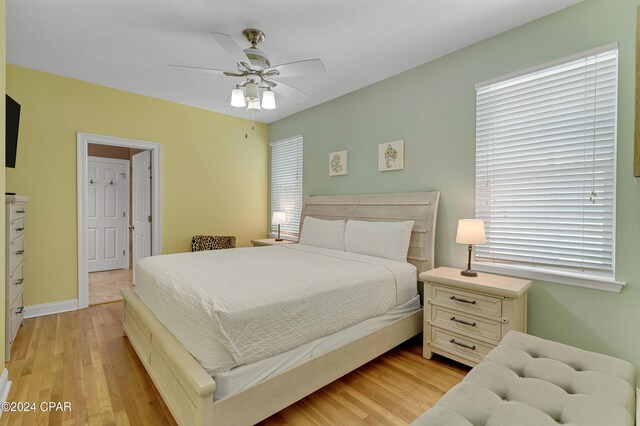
(188, 390)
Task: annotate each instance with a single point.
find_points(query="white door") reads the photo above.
(141, 200)
(107, 213)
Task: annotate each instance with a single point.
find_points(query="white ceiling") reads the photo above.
(127, 44)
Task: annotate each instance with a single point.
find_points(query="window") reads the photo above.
(286, 184)
(545, 168)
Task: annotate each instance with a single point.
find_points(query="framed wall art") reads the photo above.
(339, 163)
(391, 156)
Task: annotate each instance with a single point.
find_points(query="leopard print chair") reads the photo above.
(212, 242)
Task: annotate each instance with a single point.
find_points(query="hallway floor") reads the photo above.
(104, 287)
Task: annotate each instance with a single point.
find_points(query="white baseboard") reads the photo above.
(50, 308)
(5, 386)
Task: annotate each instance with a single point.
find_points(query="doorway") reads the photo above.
(118, 213)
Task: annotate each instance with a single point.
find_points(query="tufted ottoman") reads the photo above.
(527, 380)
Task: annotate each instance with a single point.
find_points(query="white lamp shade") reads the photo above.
(471, 231)
(268, 100)
(254, 106)
(251, 92)
(237, 98)
(279, 218)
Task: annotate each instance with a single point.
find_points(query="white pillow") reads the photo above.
(323, 233)
(389, 240)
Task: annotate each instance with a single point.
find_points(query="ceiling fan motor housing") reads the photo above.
(259, 59)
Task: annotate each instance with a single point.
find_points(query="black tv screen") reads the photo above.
(11, 136)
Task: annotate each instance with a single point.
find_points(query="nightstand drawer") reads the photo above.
(466, 301)
(459, 344)
(466, 323)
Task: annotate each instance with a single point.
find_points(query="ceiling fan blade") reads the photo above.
(294, 69)
(230, 46)
(206, 70)
(290, 92)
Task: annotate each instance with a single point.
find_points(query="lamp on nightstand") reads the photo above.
(279, 218)
(470, 231)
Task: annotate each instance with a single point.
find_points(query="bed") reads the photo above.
(186, 384)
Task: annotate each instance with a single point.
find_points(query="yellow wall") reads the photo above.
(3, 61)
(214, 180)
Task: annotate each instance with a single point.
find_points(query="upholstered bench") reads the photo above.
(527, 380)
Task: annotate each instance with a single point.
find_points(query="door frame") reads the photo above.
(83, 141)
(127, 208)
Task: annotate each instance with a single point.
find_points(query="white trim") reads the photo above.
(549, 64)
(127, 184)
(291, 139)
(568, 278)
(638, 406)
(83, 140)
(50, 308)
(5, 386)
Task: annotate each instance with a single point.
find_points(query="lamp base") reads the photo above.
(469, 273)
(279, 239)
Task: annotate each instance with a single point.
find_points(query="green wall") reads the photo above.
(432, 108)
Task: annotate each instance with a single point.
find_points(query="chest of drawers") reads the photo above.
(15, 258)
(466, 317)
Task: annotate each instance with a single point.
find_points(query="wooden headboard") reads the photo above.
(421, 207)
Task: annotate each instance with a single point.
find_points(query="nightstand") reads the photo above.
(270, 242)
(466, 317)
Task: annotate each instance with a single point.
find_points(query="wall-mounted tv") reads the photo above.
(11, 136)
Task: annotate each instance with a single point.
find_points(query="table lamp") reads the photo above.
(470, 231)
(279, 218)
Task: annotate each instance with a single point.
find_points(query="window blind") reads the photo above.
(545, 166)
(286, 184)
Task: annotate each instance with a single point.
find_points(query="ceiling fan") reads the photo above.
(255, 68)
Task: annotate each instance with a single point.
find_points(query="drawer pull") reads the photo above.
(19, 229)
(19, 281)
(20, 310)
(20, 252)
(457, 299)
(20, 211)
(472, 324)
(473, 348)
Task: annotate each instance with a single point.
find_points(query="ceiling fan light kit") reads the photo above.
(268, 99)
(253, 106)
(255, 67)
(237, 98)
(251, 92)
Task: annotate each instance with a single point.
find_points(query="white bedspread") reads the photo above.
(238, 306)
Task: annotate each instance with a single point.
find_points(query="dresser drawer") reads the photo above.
(466, 323)
(459, 344)
(16, 252)
(16, 313)
(466, 301)
(16, 283)
(17, 211)
(16, 228)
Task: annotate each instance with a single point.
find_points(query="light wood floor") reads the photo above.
(81, 357)
(104, 287)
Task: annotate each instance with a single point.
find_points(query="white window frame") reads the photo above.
(287, 234)
(569, 277)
